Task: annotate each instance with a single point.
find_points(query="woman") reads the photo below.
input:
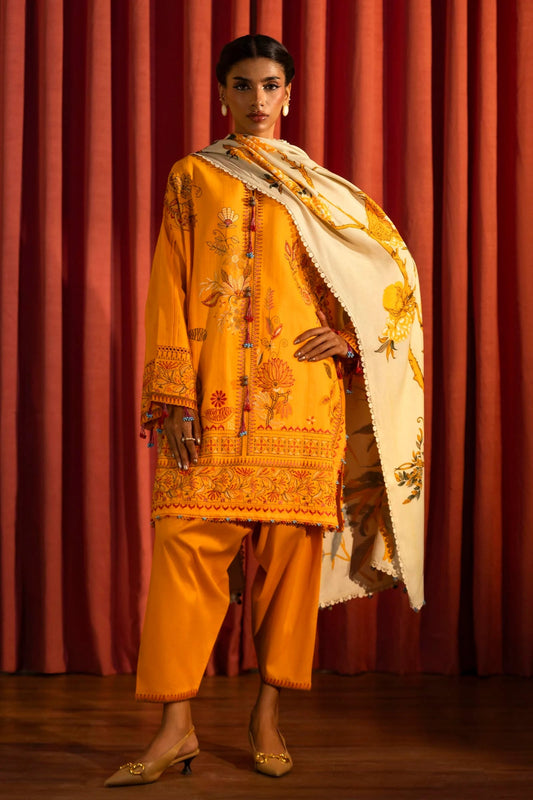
(275, 287)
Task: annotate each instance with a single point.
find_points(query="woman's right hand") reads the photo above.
(183, 434)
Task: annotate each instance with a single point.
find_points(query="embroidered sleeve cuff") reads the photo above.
(169, 378)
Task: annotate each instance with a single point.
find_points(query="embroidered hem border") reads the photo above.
(283, 683)
(144, 697)
(327, 524)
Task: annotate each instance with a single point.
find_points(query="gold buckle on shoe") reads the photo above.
(135, 768)
(262, 758)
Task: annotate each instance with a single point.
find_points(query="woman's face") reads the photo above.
(255, 93)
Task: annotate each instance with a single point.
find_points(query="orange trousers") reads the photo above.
(189, 596)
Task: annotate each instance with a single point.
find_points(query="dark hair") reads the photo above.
(254, 46)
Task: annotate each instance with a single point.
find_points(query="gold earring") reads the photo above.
(224, 109)
(285, 109)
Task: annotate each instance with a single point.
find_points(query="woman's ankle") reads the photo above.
(177, 716)
(266, 708)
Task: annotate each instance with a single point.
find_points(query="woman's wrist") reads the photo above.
(350, 351)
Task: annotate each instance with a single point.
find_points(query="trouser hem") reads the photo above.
(164, 697)
(284, 683)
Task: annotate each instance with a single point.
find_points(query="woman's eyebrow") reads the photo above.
(263, 80)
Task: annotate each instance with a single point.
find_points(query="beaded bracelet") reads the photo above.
(349, 353)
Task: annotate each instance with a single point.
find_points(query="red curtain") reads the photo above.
(429, 108)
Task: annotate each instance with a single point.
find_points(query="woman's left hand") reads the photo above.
(322, 343)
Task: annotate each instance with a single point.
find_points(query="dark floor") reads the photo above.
(368, 737)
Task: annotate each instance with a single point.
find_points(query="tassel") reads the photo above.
(247, 406)
(252, 218)
(251, 228)
(243, 430)
(142, 433)
(249, 315)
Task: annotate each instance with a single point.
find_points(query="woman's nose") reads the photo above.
(259, 98)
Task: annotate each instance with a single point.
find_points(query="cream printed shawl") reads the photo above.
(363, 260)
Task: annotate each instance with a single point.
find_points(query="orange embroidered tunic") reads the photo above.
(231, 288)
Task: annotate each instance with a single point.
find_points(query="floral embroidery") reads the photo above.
(332, 398)
(228, 216)
(224, 242)
(271, 343)
(275, 378)
(298, 490)
(218, 415)
(220, 411)
(179, 203)
(219, 398)
(169, 378)
(411, 473)
(227, 289)
(275, 375)
(293, 254)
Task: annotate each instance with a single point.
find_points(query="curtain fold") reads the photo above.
(487, 524)
(515, 289)
(429, 108)
(47, 399)
(13, 27)
(450, 313)
(132, 243)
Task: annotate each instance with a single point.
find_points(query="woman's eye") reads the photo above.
(272, 86)
(240, 86)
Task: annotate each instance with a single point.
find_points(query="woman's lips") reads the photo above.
(257, 117)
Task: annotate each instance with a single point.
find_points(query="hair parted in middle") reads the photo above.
(254, 46)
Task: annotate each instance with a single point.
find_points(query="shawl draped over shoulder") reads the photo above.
(363, 260)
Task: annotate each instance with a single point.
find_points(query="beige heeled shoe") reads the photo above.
(135, 773)
(273, 764)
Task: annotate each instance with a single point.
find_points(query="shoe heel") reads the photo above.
(187, 766)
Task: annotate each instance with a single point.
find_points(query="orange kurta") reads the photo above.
(231, 288)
